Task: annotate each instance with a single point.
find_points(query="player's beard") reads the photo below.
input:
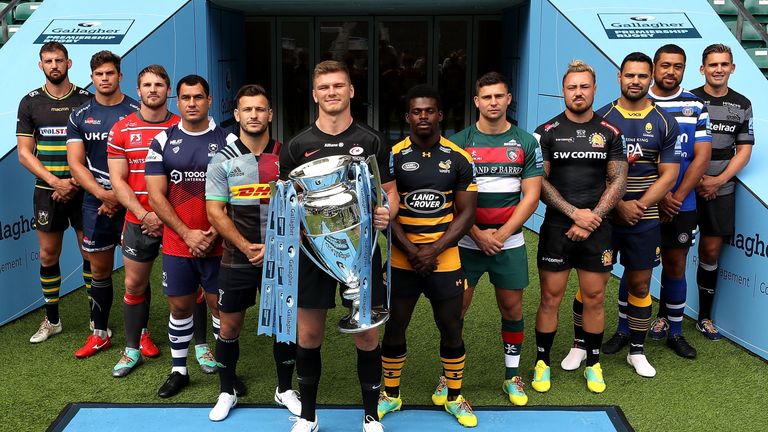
(578, 110)
(660, 84)
(254, 134)
(154, 105)
(634, 98)
(57, 80)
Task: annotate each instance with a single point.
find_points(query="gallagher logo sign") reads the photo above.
(648, 26)
(69, 31)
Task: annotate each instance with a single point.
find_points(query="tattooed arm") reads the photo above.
(617, 186)
(583, 218)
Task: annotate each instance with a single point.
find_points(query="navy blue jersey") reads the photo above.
(652, 137)
(91, 123)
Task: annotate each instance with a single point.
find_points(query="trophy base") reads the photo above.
(349, 323)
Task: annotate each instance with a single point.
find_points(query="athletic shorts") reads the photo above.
(558, 253)
(717, 217)
(437, 286)
(238, 288)
(638, 251)
(508, 269)
(317, 289)
(680, 232)
(100, 232)
(138, 246)
(182, 276)
(53, 216)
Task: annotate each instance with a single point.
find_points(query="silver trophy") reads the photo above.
(334, 221)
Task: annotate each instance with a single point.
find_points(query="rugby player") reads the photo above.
(653, 152)
(508, 162)
(249, 163)
(103, 216)
(335, 132)
(127, 148)
(41, 132)
(175, 169)
(436, 182)
(730, 117)
(678, 208)
(586, 172)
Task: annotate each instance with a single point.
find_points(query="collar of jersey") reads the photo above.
(654, 96)
(71, 90)
(626, 113)
(211, 126)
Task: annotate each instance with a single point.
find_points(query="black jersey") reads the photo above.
(578, 155)
(44, 117)
(730, 120)
(358, 141)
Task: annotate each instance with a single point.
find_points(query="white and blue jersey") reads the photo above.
(91, 123)
(693, 120)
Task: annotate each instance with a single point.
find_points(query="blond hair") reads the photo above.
(577, 66)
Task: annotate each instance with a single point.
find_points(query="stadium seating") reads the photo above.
(16, 17)
(13, 28)
(23, 11)
(724, 7)
(9, 17)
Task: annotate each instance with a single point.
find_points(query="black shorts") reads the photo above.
(138, 246)
(317, 289)
(53, 216)
(717, 217)
(238, 288)
(638, 251)
(100, 232)
(558, 253)
(680, 232)
(437, 286)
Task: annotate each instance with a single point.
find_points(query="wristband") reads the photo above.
(142, 218)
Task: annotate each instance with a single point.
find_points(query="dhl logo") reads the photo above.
(250, 191)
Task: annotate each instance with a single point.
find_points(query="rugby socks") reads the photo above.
(216, 323)
(623, 326)
(544, 343)
(87, 276)
(102, 295)
(453, 368)
(663, 296)
(133, 309)
(392, 361)
(201, 319)
(369, 374)
(579, 338)
(227, 353)
(592, 342)
(673, 302)
(180, 332)
(145, 307)
(285, 360)
(308, 366)
(50, 282)
(706, 278)
(638, 317)
(512, 336)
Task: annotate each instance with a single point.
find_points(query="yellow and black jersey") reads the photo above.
(426, 181)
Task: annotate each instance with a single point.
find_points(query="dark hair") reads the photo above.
(103, 57)
(250, 90)
(490, 78)
(52, 47)
(193, 80)
(330, 66)
(154, 69)
(669, 49)
(716, 49)
(636, 57)
(421, 91)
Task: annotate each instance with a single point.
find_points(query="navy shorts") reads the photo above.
(100, 232)
(182, 275)
(638, 251)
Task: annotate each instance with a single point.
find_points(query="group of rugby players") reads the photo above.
(632, 180)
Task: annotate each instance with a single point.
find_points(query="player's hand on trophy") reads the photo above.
(485, 240)
(198, 241)
(151, 225)
(577, 233)
(381, 218)
(255, 253)
(424, 261)
(586, 219)
(629, 212)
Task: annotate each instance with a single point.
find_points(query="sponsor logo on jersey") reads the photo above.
(512, 143)
(356, 151)
(687, 111)
(135, 138)
(310, 152)
(237, 172)
(406, 151)
(516, 154)
(549, 126)
(445, 149)
(724, 128)
(96, 136)
(569, 139)
(176, 141)
(176, 176)
(581, 133)
(552, 260)
(580, 155)
(410, 166)
(425, 201)
(607, 257)
(426, 154)
(597, 140)
(334, 145)
(634, 152)
(250, 191)
(445, 166)
(52, 131)
(538, 157)
(92, 121)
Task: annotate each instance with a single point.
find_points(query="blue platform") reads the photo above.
(170, 418)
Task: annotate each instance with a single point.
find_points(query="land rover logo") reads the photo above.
(410, 166)
(643, 18)
(425, 201)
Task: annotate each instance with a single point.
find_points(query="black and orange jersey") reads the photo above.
(426, 181)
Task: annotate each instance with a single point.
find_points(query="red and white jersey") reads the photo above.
(130, 139)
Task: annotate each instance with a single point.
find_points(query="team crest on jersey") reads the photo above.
(597, 140)
(687, 111)
(445, 166)
(42, 217)
(607, 257)
(515, 154)
(356, 151)
(135, 138)
(682, 238)
(175, 149)
(212, 147)
(648, 129)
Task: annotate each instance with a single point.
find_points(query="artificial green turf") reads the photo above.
(724, 389)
